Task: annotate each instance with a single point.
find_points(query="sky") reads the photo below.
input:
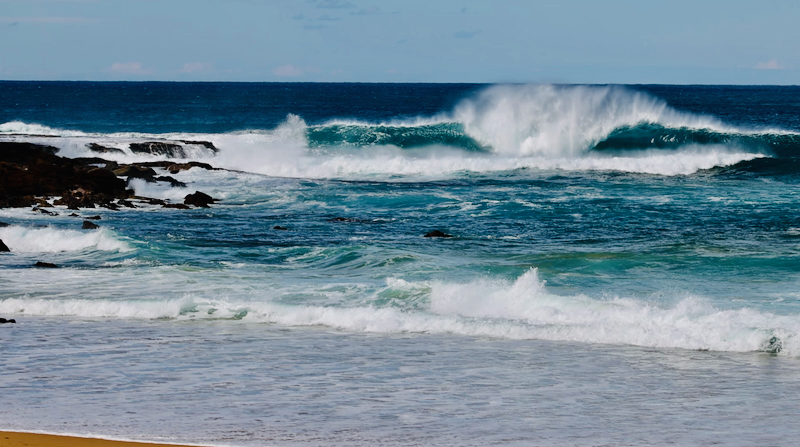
(565, 41)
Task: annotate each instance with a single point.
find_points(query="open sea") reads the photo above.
(624, 268)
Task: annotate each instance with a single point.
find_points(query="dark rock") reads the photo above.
(178, 167)
(43, 211)
(94, 147)
(110, 205)
(93, 218)
(437, 233)
(207, 144)
(10, 320)
(277, 227)
(89, 225)
(179, 206)
(3, 224)
(30, 170)
(45, 265)
(151, 201)
(133, 171)
(174, 183)
(43, 203)
(74, 215)
(159, 148)
(126, 203)
(3, 247)
(199, 199)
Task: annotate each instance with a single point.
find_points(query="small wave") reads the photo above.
(53, 240)
(520, 309)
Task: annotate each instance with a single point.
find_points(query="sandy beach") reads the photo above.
(14, 439)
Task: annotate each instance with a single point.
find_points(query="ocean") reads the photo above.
(624, 267)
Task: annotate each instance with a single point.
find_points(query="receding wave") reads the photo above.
(500, 128)
(520, 309)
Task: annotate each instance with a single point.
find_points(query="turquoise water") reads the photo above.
(623, 268)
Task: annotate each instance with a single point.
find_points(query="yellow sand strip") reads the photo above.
(14, 439)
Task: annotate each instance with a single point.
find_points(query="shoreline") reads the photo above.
(20, 439)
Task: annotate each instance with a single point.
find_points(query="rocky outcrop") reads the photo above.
(171, 150)
(178, 167)
(437, 233)
(278, 227)
(10, 320)
(206, 144)
(3, 224)
(179, 206)
(199, 199)
(94, 147)
(89, 225)
(30, 170)
(3, 247)
(46, 265)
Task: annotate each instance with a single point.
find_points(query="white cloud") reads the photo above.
(130, 68)
(770, 65)
(194, 67)
(288, 71)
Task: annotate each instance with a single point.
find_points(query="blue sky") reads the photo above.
(570, 41)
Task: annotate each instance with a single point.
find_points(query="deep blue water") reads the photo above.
(607, 241)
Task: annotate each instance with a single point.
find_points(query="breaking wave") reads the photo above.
(520, 309)
(503, 127)
(53, 240)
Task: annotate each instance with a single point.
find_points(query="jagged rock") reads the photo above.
(151, 201)
(10, 320)
(126, 203)
(174, 183)
(74, 215)
(89, 225)
(3, 247)
(179, 206)
(199, 199)
(178, 167)
(133, 171)
(93, 218)
(43, 211)
(45, 265)
(437, 233)
(110, 205)
(207, 144)
(94, 147)
(159, 148)
(43, 203)
(277, 227)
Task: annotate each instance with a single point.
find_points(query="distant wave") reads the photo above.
(500, 128)
(520, 309)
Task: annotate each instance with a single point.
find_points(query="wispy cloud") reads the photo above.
(366, 12)
(327, 18)
(769, 65)
(134, 68)
(466, 34)
(288, 71)
(333, 4)
(194, 67)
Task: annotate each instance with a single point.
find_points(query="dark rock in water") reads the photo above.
(74, 215)
(277, 227)
(93, 218)
(89, 225)
(3, 247)
(179, 206)
(174, 183)
(43, 211)
(207, 144)
(151, 201)
(3, 224)
(46, 265)
(10, 320)
(110, 205)
(199, 199)
(132, 171)
(773, 346)
(42, 203)
(437, 233)
(29, 170)
(159, 148)
(343, 219)
(94, 147)
(178, 167)
(126, 203)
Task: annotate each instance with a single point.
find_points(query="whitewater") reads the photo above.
(623, 267)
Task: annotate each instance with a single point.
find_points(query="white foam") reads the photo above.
(53, 240)
(520, 309)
